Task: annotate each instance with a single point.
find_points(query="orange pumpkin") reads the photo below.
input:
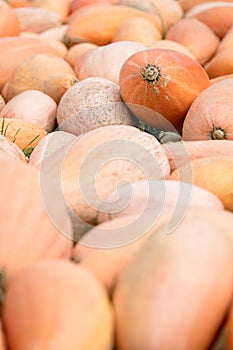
(210, 115)
(74, 303)
(168, 297)
(218, 16)
(196, 36)
(99, 23)
(35, 236)
(166, 82)
(206, 173)
(9, 23)
(220, 64)
(15, 49)
(178, 153)
(47, 73)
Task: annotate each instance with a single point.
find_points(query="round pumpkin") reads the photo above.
(213, 174)
(177, 298)
(209, 116)
(166, 82)
(196, 36)
(73, 302)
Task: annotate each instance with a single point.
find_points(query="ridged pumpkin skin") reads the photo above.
(178, 302)
(218, 16)
(179, 153)
(9, 23)
(213, 174)
(13, 50)
(31, 237)
(210, 115)
(98, 23)
(196, 36)
(76, 312)
(166, 82)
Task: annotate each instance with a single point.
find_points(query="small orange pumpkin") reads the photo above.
(210, 115)
(166, 82)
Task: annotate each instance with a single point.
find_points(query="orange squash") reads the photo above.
(99, 23)
(160, 85)
(206, 173)
(218, 15)
(73, 302)
(21, 132)
(47, 73)
(31, 237)
(9, 23)
(75, 53)
(196, 36)
(171, 275)
(179, 153)
(209, 116)
(15, 49)
(220, 64)
(137, 29)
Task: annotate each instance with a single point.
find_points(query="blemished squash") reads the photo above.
(23, 106)
(196, 36)
(210, 115)
(102, 62)
(217, 15)
(10, 150)
(164, 81)
(99, 160)
(179, 153)
(47, 73)
(213, 174)
(40, 235)
(15, 49)
(9, 23)
(177, 302)
(76, 312)
(98, 23)
(21, 132)
(91, 103)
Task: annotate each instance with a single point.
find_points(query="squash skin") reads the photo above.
(31, 237)
(9, 23)
(161, 266)
(66, 292)
(165, 82)
(209, 116)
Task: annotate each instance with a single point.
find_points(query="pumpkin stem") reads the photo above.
(151, 73)
(2, 288)
(218, 133)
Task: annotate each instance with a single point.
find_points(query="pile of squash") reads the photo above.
(116, 175)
